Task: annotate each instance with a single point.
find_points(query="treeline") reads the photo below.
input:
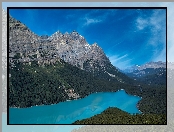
(117, 116)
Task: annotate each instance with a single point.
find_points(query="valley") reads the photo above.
(47, 70)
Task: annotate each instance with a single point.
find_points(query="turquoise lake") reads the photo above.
(70, 111)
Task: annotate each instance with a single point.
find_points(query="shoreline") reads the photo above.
(137, 102)
(86, 96)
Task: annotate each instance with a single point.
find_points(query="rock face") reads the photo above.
(71, 47)
(21, 39)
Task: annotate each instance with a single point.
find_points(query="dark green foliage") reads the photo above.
(36, 85)
(17, 56)
(47, 85)
(157, 79)
(33, 85)
(154, 100)
(152, 90)
(151, 76)
(117, 116)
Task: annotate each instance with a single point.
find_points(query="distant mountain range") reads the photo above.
(153, 65)
(152, 73)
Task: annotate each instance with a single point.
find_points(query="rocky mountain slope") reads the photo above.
(25, 46)
(21, 39)
(70, 47)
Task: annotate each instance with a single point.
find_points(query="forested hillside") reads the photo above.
(31, 85)
(117, 116)
(35, 85)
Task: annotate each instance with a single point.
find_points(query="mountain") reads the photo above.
(65, 64)
(152, 73)
(70, 47)
(74, 49)
(146, 69)
(25, 46)
(21, 39)
(153, 65)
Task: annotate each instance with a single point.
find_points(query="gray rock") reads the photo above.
(70, 47)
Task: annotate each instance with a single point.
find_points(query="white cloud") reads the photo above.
(161, 56)
(89, 21)
(141, 23)
(122, 62)
(89, 17)
(157, 29)
(155, 22)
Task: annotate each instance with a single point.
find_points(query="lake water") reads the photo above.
(70, 111)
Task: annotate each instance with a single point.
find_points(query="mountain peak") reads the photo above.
(66, 33)
(74, 31)
(95, 44)
(70, 47)
(58, 31)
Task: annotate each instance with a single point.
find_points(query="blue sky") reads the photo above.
(127, 36)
